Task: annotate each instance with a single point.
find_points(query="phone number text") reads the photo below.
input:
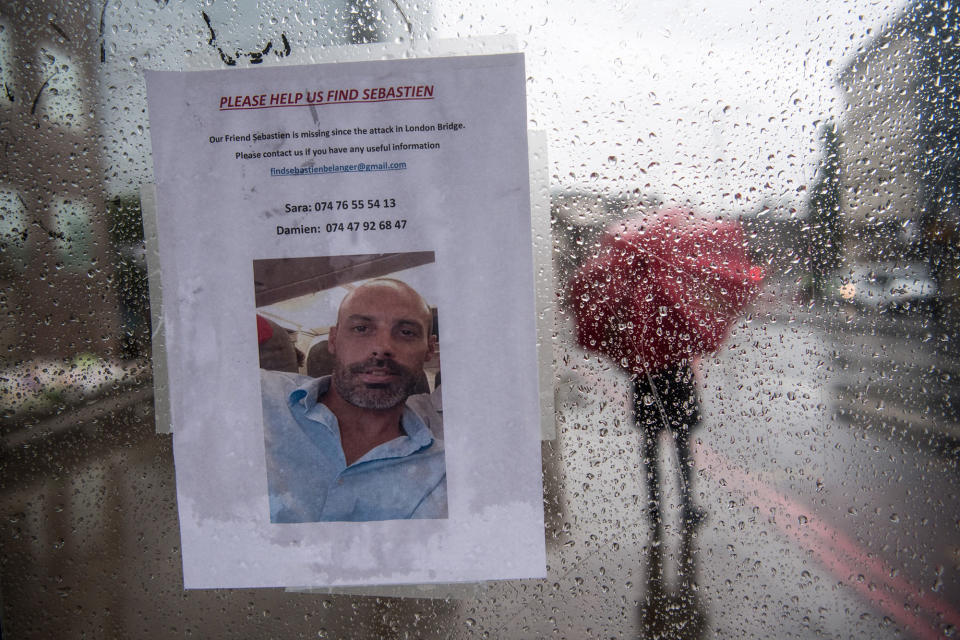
(366, 225)
(334, 227)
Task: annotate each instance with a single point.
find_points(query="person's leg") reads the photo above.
(687, 415)
(691, 513)
(682, 442)
(647, 419)
(652, 465)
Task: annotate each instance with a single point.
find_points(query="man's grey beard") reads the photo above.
(346, 380)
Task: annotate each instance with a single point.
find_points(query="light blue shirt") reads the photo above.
(307, 474)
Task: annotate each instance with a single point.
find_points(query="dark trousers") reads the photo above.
(666, 401)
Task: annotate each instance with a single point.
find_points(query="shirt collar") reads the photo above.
(307, 393)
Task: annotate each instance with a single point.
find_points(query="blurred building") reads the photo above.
(776, 235)
(55, 263)
(578, 220)
(900, 185)
(881, 143)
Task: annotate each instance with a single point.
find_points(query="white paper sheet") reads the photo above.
(448, 173)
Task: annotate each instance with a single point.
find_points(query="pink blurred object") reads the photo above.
(264, 330)
(663, 289)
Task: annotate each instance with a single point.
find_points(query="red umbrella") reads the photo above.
(663, 289)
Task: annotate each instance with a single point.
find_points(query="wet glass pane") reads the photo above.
(790, 471)
(61, 101)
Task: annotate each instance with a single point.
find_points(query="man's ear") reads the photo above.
(331, 341)
(433, 345)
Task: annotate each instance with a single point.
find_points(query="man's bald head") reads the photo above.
(390, 287)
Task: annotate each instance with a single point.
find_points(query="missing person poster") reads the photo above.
(345, 252)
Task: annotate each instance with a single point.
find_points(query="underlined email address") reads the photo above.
(336, 168)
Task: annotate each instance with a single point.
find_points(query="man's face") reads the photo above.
(380, 344)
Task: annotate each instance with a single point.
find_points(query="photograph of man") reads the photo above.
(347, 447)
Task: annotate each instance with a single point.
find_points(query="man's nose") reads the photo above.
(383, 346)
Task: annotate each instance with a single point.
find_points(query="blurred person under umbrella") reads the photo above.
(662, 290)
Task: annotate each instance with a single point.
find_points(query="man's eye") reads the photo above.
(360, 328)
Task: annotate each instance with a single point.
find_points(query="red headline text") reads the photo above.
(331, 96)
